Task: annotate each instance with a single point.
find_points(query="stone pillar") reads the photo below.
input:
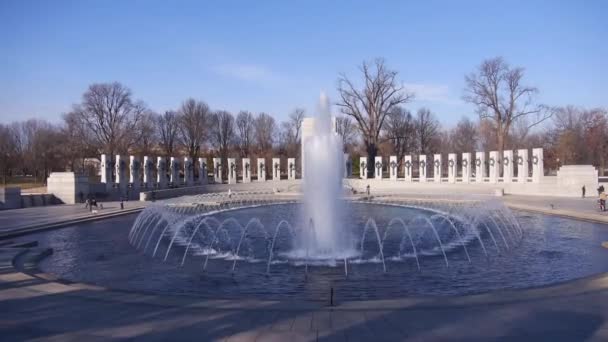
(452, 168)
(121, 174)
(175, 171)
(261, 170)
(161, 175)
(148, 166)
(232, 171)
(480, 166)
(106, 171)
(276, 169)
(217, 170)
(522, 166)
(67, 186)
(363, 167)
(507, 166)
(378, 168)
(494, 167)
(422, 168)
(134, 175)
(348, 166)
(393, 167)
(202, 171)
(408, 168)
(466, 167)
(538, 169)
(291, 168)
(437, 168)
(246, 170)
(188, 171)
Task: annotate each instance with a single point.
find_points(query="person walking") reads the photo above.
(603, 198)
(583, 188)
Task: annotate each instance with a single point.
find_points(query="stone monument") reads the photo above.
(480, 167)
(507, 166)
(121, 174)
(174, 172)
(261, 170)
(466, 167)
(408, 168)
(106, 171)
(148, 168)
(378, 168)
(452, 168)
(538, 170)
(232, 171)
(161, 172)
(188, 171)
(291, 168)
(202, 171)
(217, 170)
(437, 168)
(522, 166)
(494, 167)
(393, 167)
(363, 167)
(246, 170)
(276, 169)
(134, 173)
(422, 168)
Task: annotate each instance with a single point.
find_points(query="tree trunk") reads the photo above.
(372, 151)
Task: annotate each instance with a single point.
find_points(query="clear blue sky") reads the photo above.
(273, 56)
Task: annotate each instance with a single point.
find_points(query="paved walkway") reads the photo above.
(27, 219)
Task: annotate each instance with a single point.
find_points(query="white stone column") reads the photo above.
(217, 170)
(276, 169)
(291, 168)
(480, 166)
(422, 168)
(538, 169)
(202, 171)
(161, 175)
(175, 171)
(378, 168)
(507, 166)
(106, 171)
(393, 167)
(134, 178)
(363, 167)
(522, 166)
(261, 170)
(148, 166)
(246, 170)
(408, 168)
(348, 166)
(437, 168)
(188, 172)
(452, 167)
(232, 171)
(466, 167)
(121, 174)
(494, 167)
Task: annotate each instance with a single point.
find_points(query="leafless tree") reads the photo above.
(400, 132)
(463, 137)
(8, 151)
(78, 144)
(497, 91)
(371, 105)
(427, 131)
(147, 133)
(168, 130)
(245, 132)
(111, 115)
(265, 128)
(345, 127)
(222, 135)
(295, 119)
(193, 121)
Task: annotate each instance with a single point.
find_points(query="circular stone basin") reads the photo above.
(391, 251)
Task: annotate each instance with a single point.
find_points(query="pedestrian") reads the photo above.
(603, 198)
(600, 190)
(368, 190)
(87, 204)
(122, 204)
(583, 191)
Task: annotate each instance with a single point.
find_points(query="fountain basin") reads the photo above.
(546, 250)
